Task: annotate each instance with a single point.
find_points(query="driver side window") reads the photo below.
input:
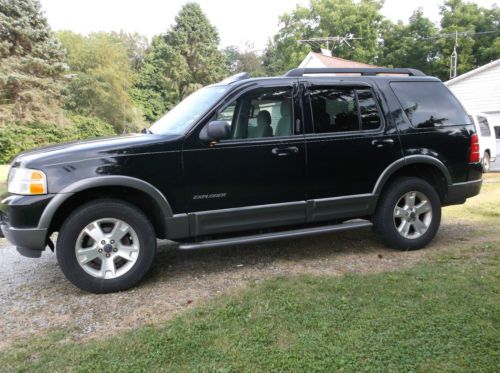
(260, 113)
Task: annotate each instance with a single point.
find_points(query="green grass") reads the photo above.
(3, 178)
(443, 315)
(481, 208)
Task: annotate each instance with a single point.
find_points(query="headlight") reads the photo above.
(27, 182)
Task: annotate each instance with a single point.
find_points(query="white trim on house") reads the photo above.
(473, 72)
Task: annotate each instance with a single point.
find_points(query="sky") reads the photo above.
(239, 22)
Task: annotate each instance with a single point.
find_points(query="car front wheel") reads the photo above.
(106, 246)
(409, 214)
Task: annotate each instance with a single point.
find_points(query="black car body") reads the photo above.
(345, 137)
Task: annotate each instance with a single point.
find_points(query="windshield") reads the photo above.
(183, 115)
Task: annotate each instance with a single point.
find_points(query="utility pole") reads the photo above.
(454, 59)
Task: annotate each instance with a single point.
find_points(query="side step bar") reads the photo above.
(274, 236)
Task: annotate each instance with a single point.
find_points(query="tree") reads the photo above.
(102, 78)
(31, 65)
(247, 61)
(179, 62)
(410, 45)
(361, 19)
(136, 45)
(474, 48)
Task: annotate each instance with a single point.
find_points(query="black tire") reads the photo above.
(384, 220)
(105, 209)
(486, 162)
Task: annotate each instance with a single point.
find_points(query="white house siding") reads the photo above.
(479, 92)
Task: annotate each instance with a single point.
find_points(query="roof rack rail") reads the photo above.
(362, 71)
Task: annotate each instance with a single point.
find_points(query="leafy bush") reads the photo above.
(15, 138)
(88, 127)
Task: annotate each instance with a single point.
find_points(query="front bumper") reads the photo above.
(19, 218)
(29, 242)
(459, 192)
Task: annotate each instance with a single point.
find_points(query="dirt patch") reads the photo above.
(35, 298)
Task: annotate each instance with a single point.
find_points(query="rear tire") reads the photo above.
(486, 162)
(106, 246)
(408, 214)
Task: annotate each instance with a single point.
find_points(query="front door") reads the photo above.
(255, 179)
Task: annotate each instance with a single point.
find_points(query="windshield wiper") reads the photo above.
(146, 130)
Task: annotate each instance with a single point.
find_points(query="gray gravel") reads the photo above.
(35, 298)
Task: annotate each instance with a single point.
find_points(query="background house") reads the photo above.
(325, 59)
(479, 92)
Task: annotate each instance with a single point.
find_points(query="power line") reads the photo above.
(460, 33)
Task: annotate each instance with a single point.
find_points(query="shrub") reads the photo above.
(15, 138)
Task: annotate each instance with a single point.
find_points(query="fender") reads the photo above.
(405, 161)
(103, 181)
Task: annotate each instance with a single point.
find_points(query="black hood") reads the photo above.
(106, 146)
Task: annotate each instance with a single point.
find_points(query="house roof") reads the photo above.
(473, 72)
(338, 62)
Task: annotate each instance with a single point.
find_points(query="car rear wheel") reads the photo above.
(408, 214)
(106, 246)
(486, 162)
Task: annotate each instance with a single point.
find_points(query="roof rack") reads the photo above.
(362, 71)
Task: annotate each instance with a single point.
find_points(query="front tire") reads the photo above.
(106, 246)
(409, 214)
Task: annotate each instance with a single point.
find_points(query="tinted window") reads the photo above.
(429, 104)
(334, 110)
(264, 112)
(370, 117)
(484, 127)
(497, 132)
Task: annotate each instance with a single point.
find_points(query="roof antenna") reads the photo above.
(454, 58)
(332, 42)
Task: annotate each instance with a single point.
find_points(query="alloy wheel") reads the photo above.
(107, 248)
(412, 215)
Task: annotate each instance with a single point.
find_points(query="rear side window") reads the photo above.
(343, 109)
(497, 132)
(429, 104)
(484, 127)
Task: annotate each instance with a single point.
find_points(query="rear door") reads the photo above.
(349, 145)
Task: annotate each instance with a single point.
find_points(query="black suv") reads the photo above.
(250, 160)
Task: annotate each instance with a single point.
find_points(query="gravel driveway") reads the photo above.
(35, 298)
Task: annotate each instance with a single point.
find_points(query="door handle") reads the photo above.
(379, 143)
(280, 152)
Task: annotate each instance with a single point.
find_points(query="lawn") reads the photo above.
(3, 178)
(443, 314)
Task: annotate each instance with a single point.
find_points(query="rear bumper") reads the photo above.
(459, 192)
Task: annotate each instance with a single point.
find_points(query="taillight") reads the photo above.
(474, 149)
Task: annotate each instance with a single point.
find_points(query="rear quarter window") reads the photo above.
(429, 104)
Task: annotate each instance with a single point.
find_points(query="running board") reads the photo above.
(265, 237)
